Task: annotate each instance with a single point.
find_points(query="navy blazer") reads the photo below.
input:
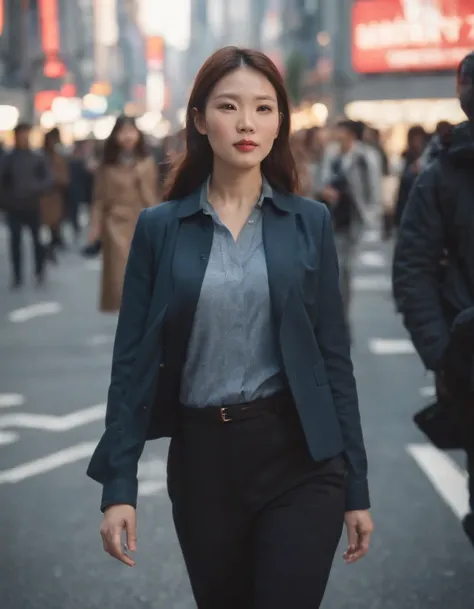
(164, 274)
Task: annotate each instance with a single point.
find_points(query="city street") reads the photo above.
(55, 351)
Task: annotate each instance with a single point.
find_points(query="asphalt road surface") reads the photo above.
(55, 353)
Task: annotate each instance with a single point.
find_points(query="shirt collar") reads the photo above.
(190, 204)
(265, 193)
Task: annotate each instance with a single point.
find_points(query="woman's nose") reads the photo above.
(245, 124)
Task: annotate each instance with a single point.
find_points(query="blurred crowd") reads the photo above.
(108, 182)
(387, 181)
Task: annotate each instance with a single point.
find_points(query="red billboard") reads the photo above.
(49, 24)
(50, 42)
(411, 35)
(155, 52)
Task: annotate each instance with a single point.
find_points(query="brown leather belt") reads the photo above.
(281, 402)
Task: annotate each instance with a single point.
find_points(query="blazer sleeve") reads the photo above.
(115, 460)
(333, 339)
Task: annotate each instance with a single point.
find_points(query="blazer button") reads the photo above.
(162, 365)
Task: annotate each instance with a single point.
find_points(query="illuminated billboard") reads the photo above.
(411, 35)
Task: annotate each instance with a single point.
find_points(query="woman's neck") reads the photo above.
(239, 189)
(127, 156)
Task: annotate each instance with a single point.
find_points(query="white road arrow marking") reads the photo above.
(449, 480)
(47, 464)
(54, 423)
(37, 310)
(155, 469)
(8, 400)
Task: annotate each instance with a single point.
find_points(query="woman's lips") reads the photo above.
(245, 147)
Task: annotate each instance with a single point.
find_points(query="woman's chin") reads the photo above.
(243, 162)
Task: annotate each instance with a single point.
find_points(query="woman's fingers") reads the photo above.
(117, 551)
(112, 541)
(118, 519)
(131, 534)
(359, 530)
(353, 554)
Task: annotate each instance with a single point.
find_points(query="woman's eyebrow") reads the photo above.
(237, 97)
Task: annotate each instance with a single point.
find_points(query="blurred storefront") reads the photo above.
(405, 53)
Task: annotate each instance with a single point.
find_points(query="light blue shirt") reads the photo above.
(233, 355)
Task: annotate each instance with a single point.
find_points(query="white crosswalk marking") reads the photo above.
(148, 488)
(8, 437)
(372, 259)
(448, 479)
(384, 346)
(52, 422)
(428, 392)
(151, 477)
(372, 283)
(36, 310)
(100, 339)
(47, 464)
(10, 400)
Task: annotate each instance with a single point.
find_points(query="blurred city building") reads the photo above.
(78, 63)
(403, 56)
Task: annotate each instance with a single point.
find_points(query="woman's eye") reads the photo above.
(264, 109)
(226, 107)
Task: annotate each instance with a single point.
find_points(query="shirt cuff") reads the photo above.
(357, 496)
(119, 491)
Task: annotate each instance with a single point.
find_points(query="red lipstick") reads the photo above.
(245, 145)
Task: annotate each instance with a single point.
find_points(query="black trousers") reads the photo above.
(16, 221)
(257, 519)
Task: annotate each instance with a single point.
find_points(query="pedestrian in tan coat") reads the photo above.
(125, 182)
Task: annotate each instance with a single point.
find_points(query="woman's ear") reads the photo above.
(199, 121)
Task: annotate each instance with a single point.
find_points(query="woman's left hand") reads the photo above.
(359, 527)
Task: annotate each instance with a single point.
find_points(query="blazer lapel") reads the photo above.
(279, 240)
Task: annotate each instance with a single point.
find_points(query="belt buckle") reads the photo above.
(225, 418)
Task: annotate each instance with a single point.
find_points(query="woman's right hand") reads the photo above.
(117, 519)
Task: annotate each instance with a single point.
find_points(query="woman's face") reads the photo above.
(241, 119)
(127, 137)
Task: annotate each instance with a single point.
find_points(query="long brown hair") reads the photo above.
(196, 163)
(111, 150)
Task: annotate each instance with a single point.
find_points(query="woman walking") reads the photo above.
(124, 184)
(231, 339)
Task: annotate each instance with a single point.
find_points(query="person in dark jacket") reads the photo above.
(435, 145)
(416, 143)
(433, 269)
(25, 176)
(80, 187)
